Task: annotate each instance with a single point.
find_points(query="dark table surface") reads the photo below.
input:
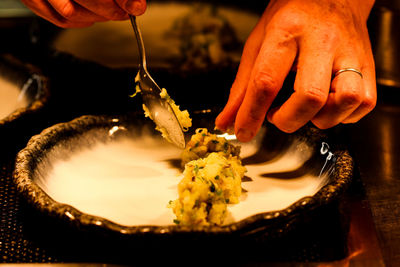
(376, 144)
(372, 203)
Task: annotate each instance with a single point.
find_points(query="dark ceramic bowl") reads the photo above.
(24, 94)
(305, 154)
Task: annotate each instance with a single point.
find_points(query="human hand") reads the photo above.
(315, 38)
(83, 13)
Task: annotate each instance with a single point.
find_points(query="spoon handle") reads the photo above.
(139, 38)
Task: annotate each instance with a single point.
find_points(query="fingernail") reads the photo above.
(244, 135)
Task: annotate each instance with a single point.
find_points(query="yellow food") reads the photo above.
(183, 116)
(202, 143)
(209, 182)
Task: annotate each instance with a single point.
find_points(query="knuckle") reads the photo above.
(253, 116)
(315, 96)
(291, 21)
(351, 98)
(369, 103)
(330, 38)
(265, 83)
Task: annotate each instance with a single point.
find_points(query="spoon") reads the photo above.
(160, 110)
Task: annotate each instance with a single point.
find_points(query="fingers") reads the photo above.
(226, 118)
(345, 97)
(115, 10)
(43, 9)
(82, 13)
(368, 102)
(311, 88)
(105, 8)
(351, 96)
(271, 67)
(72, 11)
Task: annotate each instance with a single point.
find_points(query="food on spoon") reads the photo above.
(183, 116)
(210, 182)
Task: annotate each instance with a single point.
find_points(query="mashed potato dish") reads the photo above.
(203, 143)
(211, 179)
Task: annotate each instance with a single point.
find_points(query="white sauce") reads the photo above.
(131, 182)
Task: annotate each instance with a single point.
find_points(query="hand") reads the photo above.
(315, 38)
(83, 13)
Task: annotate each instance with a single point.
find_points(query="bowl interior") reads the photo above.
(121, 170)
(20, 87)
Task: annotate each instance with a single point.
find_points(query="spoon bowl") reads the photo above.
(159, 108)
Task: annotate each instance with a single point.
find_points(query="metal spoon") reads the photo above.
(160, 110)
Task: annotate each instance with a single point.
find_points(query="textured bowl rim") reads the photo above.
(28, 157)
(37, 103)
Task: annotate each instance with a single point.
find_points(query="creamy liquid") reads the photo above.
(131, 182)
(10, 98)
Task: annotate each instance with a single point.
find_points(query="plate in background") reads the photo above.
(113, 43)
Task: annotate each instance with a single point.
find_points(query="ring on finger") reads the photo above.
(348, 69)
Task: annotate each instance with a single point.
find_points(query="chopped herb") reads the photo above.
(197, 144)
(196, 169)
(216, 177)
(215, 141)
(170, 202)
(227, 200)
(219, 192)
(208, 207)
(212, 187)
(225, 147)
(177, 221)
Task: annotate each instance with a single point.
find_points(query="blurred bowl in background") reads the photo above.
(113, 43)
(23, 93)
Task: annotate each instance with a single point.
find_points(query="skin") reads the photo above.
(314, 38)
(83, 13)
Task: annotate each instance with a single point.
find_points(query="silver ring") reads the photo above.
(348, 69)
